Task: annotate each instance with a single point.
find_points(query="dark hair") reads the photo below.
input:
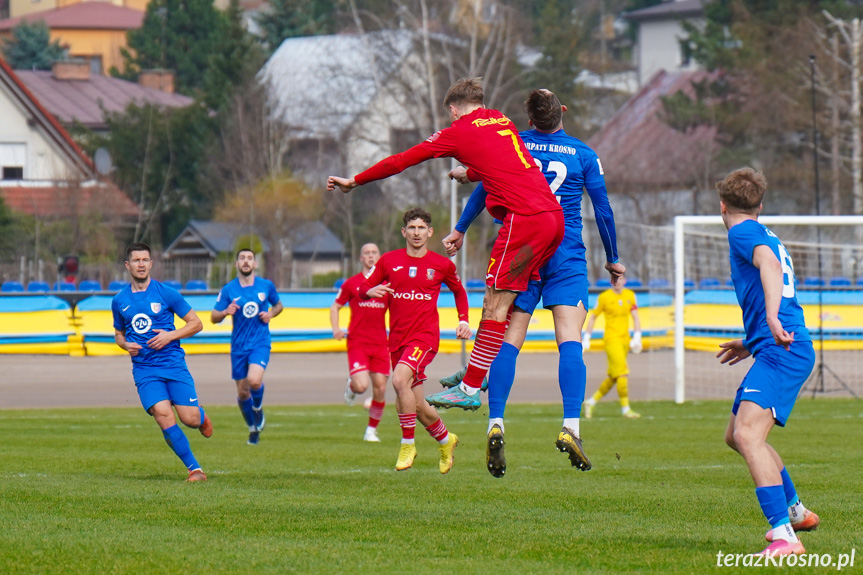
(417, 213)
(464, 91)
(742, 189)
(543, 109)
(241, 250)
(137, 247)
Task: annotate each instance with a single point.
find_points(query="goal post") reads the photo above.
(701, 251)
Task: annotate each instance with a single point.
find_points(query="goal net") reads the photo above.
(689, 262)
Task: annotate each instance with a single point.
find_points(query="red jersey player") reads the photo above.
(488, 144)
(411, 279)
(368, 358)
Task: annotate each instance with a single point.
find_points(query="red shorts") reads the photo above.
(368, 358)
(415, 356)
(523, 245)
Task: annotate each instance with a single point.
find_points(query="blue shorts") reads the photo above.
(176, 385)
(776, 377)
(562, 283)
(241, 361)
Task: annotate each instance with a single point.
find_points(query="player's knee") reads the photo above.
(729, 439)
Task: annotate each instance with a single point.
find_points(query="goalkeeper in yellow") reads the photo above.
(617, 303)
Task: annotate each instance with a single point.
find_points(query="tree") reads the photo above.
(274, 208)
(177, 35)
(563, 42)
(235, 64)
(31, 48)
(158, 154)
(294, 18)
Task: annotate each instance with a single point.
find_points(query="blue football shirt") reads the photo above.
(570, 166)
(137, 314)
(249, 332)
(742, 241)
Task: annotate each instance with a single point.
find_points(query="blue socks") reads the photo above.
(572, 376)
(772, 501)
(258, 397)
(501, 376)
(788, 486)
(176, 440)
(246, 410)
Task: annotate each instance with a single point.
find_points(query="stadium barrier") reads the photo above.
(40, 324)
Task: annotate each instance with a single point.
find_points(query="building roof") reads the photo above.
(638, 148)
(316, 239)
(668, 11)
(66, 199)
(320, 84)
(44, 120)
(83, 16)
(201, 239)
(86, 101)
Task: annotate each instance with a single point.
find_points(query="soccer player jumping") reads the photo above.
(368, 358)
(776, 335)
(252, 297)
(570, 167)
(487, 143)
(144, 328)
(411, 279)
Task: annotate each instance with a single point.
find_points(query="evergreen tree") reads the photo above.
(177, 35)
(31, 48)
(235, 64)
(562, 36)
(293, 18)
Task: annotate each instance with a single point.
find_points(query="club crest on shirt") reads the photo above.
(262, 296)
(429, 274)
(155, 306)
(412, 271)
(250, 310)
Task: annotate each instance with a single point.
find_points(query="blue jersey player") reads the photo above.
(776, 336)
(570, 167)
(252, 302)
(144, 327)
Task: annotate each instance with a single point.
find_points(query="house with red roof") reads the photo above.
(43, 171)
(92, 31)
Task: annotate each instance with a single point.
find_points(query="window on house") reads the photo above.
(13, 173)
(13, 158)
(96, 65)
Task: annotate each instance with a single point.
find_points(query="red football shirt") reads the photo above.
(413, 304)
(368, 324)
(488, 144)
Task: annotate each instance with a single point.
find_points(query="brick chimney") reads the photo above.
(71, 70)
(157, 79)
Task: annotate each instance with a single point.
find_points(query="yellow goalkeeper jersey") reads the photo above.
(617, 308)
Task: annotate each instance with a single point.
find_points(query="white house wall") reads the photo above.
(659, 48)
(43, 161)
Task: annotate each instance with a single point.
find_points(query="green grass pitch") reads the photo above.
(98, 491)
